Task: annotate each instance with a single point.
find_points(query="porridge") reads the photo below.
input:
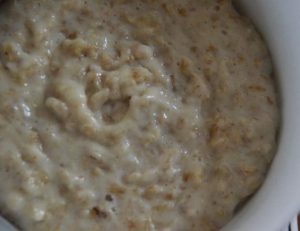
(131, 115)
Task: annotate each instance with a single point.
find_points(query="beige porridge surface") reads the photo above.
(152, 115)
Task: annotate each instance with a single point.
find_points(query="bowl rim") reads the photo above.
(279, 198)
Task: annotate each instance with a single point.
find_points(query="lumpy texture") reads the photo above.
(131, 115)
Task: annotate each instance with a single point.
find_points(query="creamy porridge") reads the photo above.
(131, 115)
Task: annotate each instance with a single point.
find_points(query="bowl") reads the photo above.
(278, 200)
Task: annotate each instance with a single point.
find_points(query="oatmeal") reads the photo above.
(131, 115)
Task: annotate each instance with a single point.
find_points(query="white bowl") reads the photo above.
(279, 198)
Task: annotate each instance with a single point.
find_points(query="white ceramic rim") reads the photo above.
(279, 198)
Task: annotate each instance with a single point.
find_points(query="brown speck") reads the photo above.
(257, 62)
(194, 49)
(109, 198)
(186, 177)
(99, 163)
(241, 58)
(167, 8)
(131, 224)
(217, 8)
(72, 35)
(182, 12)
(270, 101)
(169, 196)
(98, 213)
(214, 18)
(208, 62)
(173, 82)
(117, 189)
(183, 64)
(224, 32)
(211, 48)
(256, 88)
